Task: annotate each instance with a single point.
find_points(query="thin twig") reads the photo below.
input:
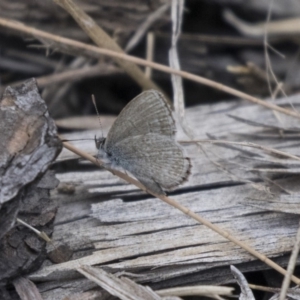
(200, 290)
(142, 29)
(183, 209)
(85, 49)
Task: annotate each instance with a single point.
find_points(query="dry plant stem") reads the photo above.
(69, 45)
(291, 267)
(251, 145)
(41, 234)
(103, 40)
(186, 211)
(143, 28)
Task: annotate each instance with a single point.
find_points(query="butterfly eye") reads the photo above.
(99, 142)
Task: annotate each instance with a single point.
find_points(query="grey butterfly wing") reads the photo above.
(159, 164)
(146, 113)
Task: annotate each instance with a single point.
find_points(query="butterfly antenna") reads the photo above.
(95, 105)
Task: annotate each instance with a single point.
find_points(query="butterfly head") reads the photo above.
(99, 142)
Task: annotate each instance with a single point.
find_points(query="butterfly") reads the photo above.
(142, 141)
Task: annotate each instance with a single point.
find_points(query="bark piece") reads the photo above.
(28, 145)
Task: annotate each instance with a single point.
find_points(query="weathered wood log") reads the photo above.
(243, 190)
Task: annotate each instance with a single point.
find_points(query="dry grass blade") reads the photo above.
(150, 52)
(41, 234)
(145, 26)
(186, 211)
(68, 45)
(285, 27)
